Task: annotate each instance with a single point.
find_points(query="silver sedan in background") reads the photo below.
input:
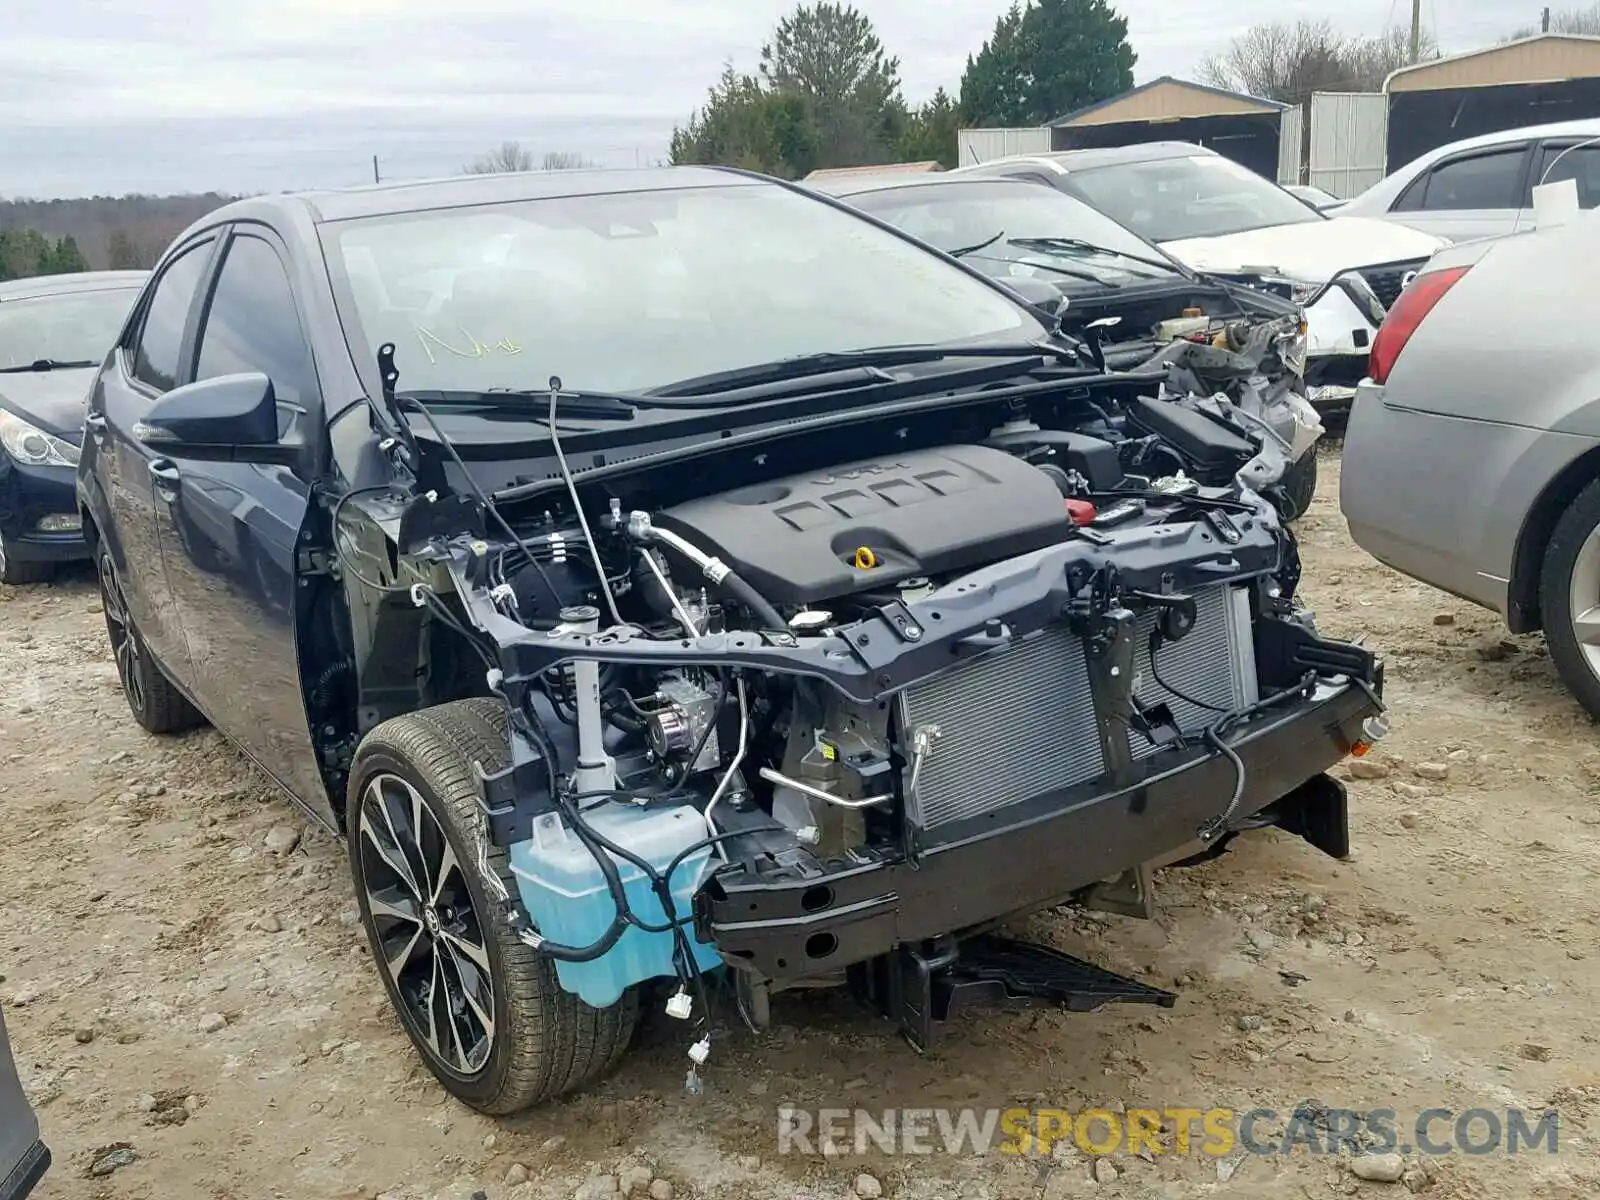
(1472, 454)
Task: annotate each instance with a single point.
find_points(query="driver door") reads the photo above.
(231, 529)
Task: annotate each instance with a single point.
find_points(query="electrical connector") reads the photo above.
(700, 1051)
(680, 1005)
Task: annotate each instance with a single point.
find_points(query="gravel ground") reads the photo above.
(186, 982)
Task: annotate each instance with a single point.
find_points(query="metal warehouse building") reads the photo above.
(1548, 77)
(1246, 129)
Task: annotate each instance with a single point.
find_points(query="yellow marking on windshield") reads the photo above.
(476, 348)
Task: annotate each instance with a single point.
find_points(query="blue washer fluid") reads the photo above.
(566, 895)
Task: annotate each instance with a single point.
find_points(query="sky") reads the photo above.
(107, 97)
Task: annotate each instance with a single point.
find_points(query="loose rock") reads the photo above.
(212, 1022)
(269, 924)
(1248, 1023)
(1378, 1168)
(1438, 772)
(83, 1036)
(1105, 1171)
(599, 1188)
(634, 1179)
(660, 1189)
(518, 1173)
(868, 1187)
(282, 839)
(112, 1158)
(1368, 768)
(1444, 618)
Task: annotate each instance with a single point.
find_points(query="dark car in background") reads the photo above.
(673, 578)
(23, 1157)
(1144, 309)
(54, 333)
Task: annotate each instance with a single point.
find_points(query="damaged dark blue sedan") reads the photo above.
(678, 588)
(55, 331)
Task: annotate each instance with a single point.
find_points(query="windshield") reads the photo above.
(69, 327)
(1020, 221)
(1205, 195)
(636, 290)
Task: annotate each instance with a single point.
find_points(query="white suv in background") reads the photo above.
(1483, 186)
(1223, 219)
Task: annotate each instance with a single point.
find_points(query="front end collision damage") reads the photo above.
(900, 917)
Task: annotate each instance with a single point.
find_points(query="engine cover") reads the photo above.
(923, 512)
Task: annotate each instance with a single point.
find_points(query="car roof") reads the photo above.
(1109, 156)
(75, 281)
(461, 191)
(1588, 127)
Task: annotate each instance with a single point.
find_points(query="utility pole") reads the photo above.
(375, 178)
(1416, 30)
(1544, 22)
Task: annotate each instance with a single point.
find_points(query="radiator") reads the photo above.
(1020, 722)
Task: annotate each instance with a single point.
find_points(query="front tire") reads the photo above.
(1569, 597)
(155, 701)
(20, 574)
(484, 1011)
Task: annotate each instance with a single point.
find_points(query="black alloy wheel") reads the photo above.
(156, 703)
(429, 939)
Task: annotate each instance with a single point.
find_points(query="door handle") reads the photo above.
(167, 479)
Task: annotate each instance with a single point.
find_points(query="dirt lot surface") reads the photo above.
(187, 990)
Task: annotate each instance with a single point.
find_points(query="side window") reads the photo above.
(1581, 163)
(1482, 181)
(155, 354)
(1411, 199)
(252, 325)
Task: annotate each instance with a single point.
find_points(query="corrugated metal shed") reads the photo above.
(911, 168)
(1544, 58)
(985, 145)
(1349, 141)
(1168, 99)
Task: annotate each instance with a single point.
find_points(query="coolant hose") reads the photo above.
(739, 590)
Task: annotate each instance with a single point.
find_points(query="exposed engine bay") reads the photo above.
(827, 717)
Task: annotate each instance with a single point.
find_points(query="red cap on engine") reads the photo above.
(1081, 511)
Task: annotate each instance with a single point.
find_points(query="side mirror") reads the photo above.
(228, 417)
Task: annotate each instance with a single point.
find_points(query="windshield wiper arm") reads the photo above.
(48, 364)
(828, 362)
(1072, 243)
(1056, 269)
(600, 406)
(973, 249)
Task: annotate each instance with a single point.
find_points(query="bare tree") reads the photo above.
(1288, 63)
(509, 157)
(1584, 21)
(565, 160)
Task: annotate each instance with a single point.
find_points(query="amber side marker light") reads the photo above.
(1410, 309)
(1372, 731)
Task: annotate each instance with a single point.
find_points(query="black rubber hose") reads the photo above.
(738, 589)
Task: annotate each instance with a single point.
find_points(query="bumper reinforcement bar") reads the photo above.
(923, 988)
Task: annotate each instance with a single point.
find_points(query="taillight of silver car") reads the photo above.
(1409, 310)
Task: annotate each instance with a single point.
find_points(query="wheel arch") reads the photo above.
(1522, 605)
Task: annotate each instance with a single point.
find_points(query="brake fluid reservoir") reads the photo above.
(565, 893)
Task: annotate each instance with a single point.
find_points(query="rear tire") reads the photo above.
(1569, 597)
(413, 800)
(155, 701)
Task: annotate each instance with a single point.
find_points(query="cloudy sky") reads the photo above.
(115, 96)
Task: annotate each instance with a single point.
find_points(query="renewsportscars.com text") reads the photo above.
(1214, 1132)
